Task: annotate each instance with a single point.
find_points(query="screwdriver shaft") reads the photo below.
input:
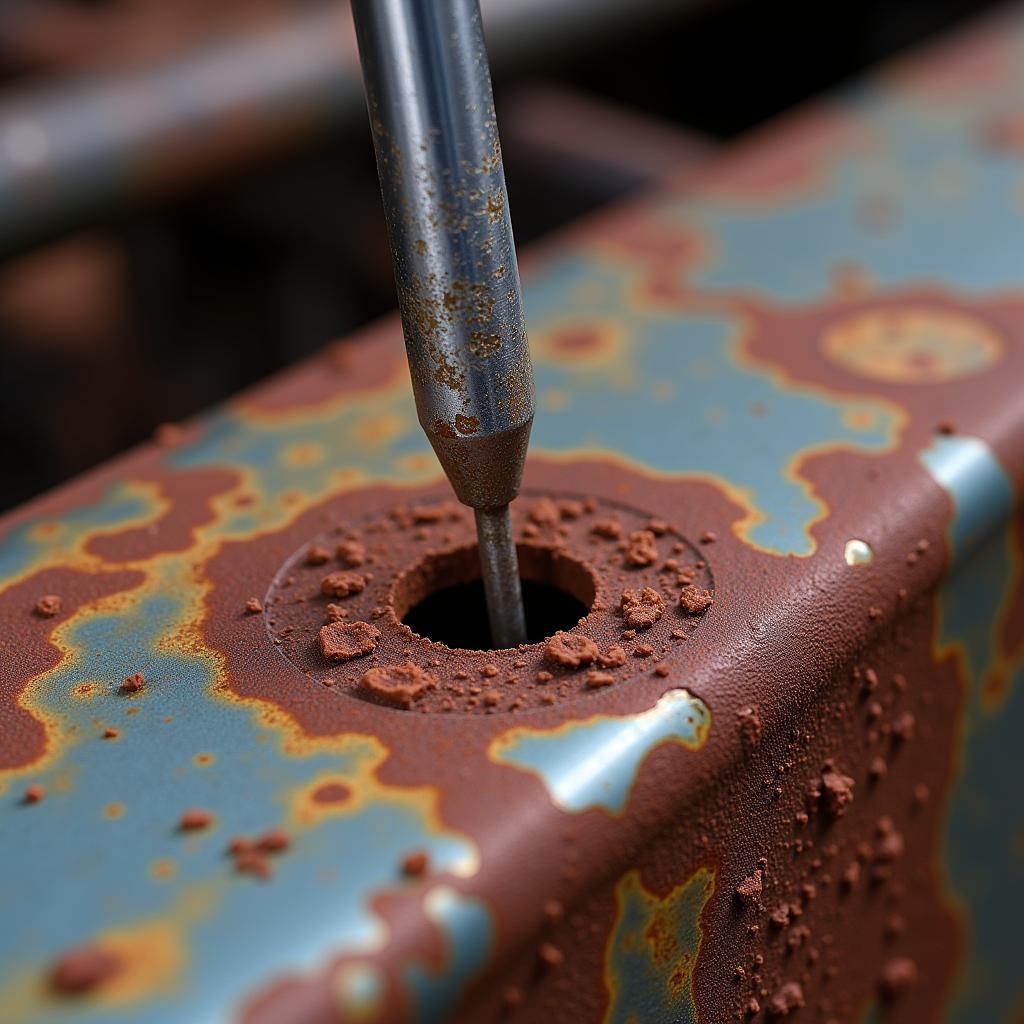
(428, 91)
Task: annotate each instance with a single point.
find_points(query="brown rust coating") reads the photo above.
(803, 682)
(772, 658)
(762, 774)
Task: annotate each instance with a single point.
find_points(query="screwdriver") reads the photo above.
(428, 93)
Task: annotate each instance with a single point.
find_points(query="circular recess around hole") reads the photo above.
(576, 544)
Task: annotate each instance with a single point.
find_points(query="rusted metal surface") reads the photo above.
(804, 373)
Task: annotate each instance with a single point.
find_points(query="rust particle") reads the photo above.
(550, 955)
(415, 864)
(642, 549)
(749, 890)
(134, 683)
(194, 819)
(317, 555)
(641, 609)
(48, 606)
(252, 862)
(344, 641)
(571, 650)
(398, 685)
(33, 794)
(613, 657)
(254, 606)
(694, 601)
(351, 552)
(80, 970)
(342, 584)
(275, 840)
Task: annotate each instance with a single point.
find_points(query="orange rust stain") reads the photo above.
(204, 758)
(331, 793)
(87, 690)
(580, 342)
(327, 795)
(382, 428)
(163, 868)
(113, 811)
(859, 419)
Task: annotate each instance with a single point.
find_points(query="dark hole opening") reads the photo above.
(457, 615)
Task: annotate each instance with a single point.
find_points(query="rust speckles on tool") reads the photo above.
(48, 606)
(397, 685)
(81, 970)
(342, 584)
(345, 641)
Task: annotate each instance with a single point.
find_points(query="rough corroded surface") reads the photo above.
(782, 805)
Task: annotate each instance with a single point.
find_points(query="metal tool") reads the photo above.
(428, 91)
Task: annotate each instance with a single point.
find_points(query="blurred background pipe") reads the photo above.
(88, 141)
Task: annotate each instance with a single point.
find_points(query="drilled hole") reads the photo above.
(442, 597)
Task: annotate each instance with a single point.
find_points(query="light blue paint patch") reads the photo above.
(319, 898)
(468, 931)
(738, 423)
(970, 604)
(652, 951)
(943, 187)
(985, 815)
(592, 762)
(724, 419)
(119, 507)
(234, 440)
(361, 989)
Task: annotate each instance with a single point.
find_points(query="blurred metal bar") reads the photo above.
(567, 131)
(77, 146)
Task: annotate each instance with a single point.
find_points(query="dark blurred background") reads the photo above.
(188, 198)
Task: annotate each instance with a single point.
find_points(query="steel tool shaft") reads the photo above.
(428, 91)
